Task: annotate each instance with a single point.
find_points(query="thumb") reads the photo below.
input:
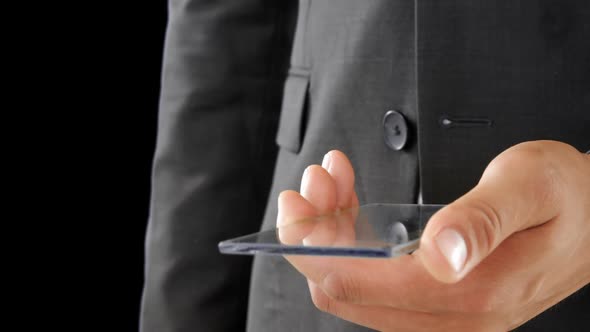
(518, 190)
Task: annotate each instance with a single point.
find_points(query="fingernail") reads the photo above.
(327, 161)
(304, 181)
(452, 245)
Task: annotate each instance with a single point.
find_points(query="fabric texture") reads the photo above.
(223, 73)
(241, 78)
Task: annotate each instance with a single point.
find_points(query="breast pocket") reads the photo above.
(292, 123)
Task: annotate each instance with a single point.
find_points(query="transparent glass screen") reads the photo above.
(373, 230)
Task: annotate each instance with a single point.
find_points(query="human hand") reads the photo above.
(516, 244)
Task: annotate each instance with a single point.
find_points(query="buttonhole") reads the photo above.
(446, 121)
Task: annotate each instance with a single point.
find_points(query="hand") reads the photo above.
(512, 247)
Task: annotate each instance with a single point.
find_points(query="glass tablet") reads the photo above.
(372, 230)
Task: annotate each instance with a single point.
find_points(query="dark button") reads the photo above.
(395, 130)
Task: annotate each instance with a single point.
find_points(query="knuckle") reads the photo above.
(490, 225)
(542, 171)
(321, 301)
(532, 168)
(532, 149)
(513, 158)
(341, 288)
(484, 225)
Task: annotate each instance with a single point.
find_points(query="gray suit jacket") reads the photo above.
(471, 78)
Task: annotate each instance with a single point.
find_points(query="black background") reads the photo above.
(137, 85)
(113, 54)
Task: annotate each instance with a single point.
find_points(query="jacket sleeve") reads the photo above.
(223, 71)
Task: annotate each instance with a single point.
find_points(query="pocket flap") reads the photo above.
(290, 132)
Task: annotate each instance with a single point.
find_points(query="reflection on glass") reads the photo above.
(373, 230)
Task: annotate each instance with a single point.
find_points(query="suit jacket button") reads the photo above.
(395, 130)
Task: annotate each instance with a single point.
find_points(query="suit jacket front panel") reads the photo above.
(521, 67)
(474, 63)
(352, 62)
(503, 72)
